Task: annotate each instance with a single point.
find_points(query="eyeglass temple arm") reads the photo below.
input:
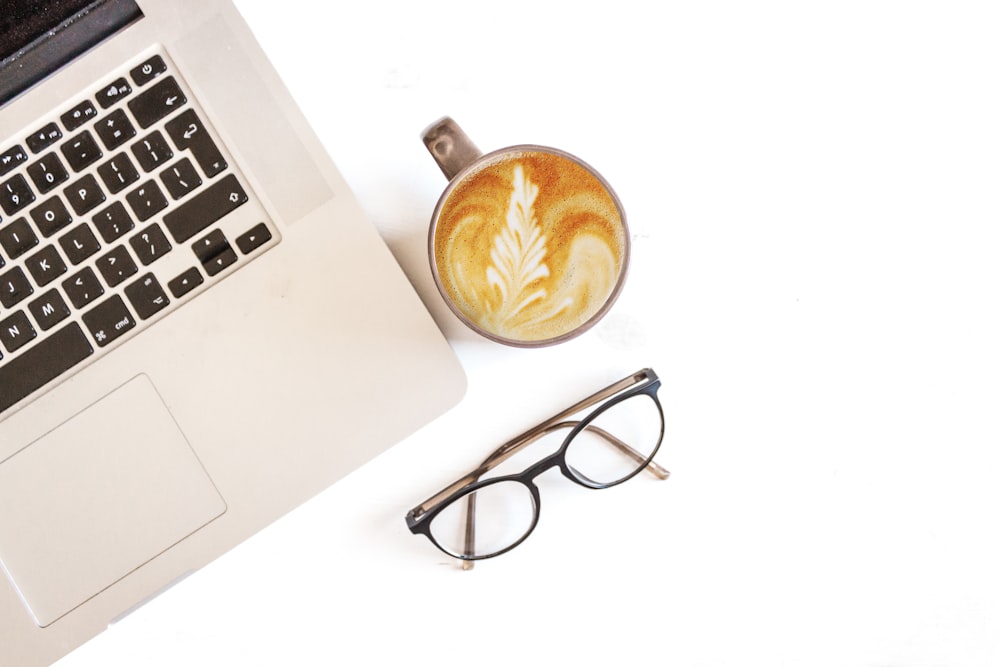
(470, 530)
(511, 447)
(507, 450)
(499, 456)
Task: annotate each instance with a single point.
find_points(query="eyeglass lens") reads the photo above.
(504, 513)
(617, 443)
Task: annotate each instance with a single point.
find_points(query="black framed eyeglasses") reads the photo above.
(474, 518)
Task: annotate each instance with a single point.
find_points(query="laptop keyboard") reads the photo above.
(113, 212)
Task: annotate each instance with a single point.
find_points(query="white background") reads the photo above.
(812, 190)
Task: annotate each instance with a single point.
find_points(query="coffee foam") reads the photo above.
(530, 246)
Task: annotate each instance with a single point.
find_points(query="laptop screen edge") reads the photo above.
(58, 46)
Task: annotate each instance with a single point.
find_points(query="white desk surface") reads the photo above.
(813, 195)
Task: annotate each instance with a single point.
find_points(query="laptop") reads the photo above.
(199, 330)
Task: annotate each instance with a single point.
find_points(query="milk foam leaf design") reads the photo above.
(518, 253)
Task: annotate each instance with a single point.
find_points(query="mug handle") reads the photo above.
(450, 147)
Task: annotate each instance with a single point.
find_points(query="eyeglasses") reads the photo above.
(474, 518)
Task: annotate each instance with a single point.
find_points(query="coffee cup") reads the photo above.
(528, 244)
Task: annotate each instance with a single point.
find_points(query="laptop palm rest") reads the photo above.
(97, 497)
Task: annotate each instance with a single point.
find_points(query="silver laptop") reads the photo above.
(198, 328)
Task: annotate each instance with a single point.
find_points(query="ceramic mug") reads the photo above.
(528, 244)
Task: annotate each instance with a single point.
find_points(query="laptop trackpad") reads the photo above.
(97, 497)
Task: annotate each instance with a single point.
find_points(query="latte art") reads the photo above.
(530, 246)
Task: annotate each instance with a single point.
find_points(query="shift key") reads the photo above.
(213, 204)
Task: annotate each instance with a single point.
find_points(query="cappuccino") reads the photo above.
(529, 245)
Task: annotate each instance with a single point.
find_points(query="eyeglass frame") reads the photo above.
(645, 381)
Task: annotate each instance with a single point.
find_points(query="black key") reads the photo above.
(46, 265)
(84, 195)
(118, 173)
(113, 222)
(17, 238)
(146, 296)
(16, 331)
(112, 93)
(180, 179)
(11, 159)
(14, 287)
(50, 216)
(109, 320)
(205, 208)
(146, 200)
(222, 261)
(185, 282)
(214, 252)
(253, 239)
(150, 244)
(42, 363)
(83, 288)
(188, 132)
(152, 151)
(78, 115)
(79, 243)
(116, 266)
(81, 151)
(15, 194)
(158, 102)
(114, 129)
(49, 309)
(47, 173)
(148, 70)
(44, 138)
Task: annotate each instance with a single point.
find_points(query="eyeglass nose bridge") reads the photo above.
(555, 460)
